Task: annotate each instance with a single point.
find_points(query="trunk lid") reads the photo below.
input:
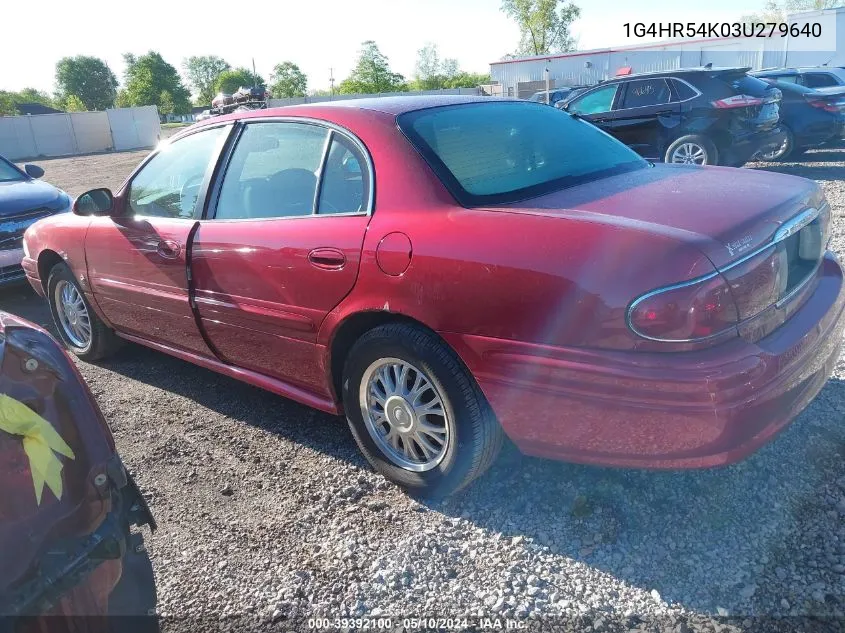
(724, 212)
(36, 375)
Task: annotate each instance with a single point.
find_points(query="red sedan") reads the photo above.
(448, 271)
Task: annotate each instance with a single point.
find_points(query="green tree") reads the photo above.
(203, 74)
(428, 69)
(288, 80)
(147, 78)
(88, 78)
(543, 25)
(8, 103)
(31, 95)
(230, 80)
(72, 103)
(464, 79)
(793, 6)
(372, 74)
(165, 103)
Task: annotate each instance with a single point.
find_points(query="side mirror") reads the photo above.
(94, 202)
(33, 171)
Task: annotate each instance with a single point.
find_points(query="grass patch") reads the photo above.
(175, 124)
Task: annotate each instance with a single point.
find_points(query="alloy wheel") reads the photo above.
(73, 314)
(404, 414)
(689, 154)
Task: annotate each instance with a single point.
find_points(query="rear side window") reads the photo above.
(646, 92)
(344, 186)
(499, 152)
(683, 90)
(819, 80)
(273, 172)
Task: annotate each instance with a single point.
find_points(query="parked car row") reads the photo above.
(714, 116)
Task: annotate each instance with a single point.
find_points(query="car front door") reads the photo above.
(596, 106)
(646, 118)
(137, 262)
(281, 245)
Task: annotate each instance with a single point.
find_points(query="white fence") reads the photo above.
(66, 134)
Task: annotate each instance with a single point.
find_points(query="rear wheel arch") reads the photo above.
(354, 327)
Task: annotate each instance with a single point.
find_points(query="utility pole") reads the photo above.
(331, 81)
(548, 100)
(254, 75)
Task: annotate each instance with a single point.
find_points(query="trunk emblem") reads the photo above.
(40, 441)
(739, 245)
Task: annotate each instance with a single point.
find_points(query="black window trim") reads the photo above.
(470, 201)
(210, 171)
(225, 157)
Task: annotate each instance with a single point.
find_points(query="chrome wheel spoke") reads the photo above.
(404, 414)
(72, 314)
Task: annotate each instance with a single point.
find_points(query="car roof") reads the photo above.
(796, 69)
(680, 71)
(392, 105)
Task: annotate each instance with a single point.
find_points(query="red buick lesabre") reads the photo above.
(450, 271)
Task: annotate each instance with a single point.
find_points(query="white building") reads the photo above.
(524, 76)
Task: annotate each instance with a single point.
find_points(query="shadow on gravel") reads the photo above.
(733, 537)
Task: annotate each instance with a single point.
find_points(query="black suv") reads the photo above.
(704, 116)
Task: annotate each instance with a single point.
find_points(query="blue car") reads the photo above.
(23, 201)
(809, 118)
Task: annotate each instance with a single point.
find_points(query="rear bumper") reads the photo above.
(743, 148)
(674, 410)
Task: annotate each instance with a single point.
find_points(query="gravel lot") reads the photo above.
(268, 513)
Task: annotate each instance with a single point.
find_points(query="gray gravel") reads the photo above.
(267, 511)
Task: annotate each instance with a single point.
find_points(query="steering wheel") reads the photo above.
(188, 194)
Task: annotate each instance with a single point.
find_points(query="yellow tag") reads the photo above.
(40, 439)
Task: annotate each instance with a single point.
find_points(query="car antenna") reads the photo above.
(708, 65)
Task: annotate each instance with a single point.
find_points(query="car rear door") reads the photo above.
(280, 246)
(647, 116)
(137, 266)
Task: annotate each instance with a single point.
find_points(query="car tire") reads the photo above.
(93, 342)
(782, 151)
(467, 437)
(692, 149)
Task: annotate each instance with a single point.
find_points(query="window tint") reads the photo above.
(819, 80)
(600, 100)
(344, 182)
(683, 90)
(790, 79)
(489, 153)
(647, 92)
(272, 172)
(168, 185)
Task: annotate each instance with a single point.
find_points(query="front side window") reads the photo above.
(819, 80)
(499, 152)
(273, 172)
(598, 101)
(169, 184)
(647, 92)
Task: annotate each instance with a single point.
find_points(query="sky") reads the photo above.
(318, 35)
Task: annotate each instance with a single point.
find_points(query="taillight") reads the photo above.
(692, 311)
(738, 101)
(826, 105)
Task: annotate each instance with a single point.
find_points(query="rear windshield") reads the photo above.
(500, 152)
(746, 84)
